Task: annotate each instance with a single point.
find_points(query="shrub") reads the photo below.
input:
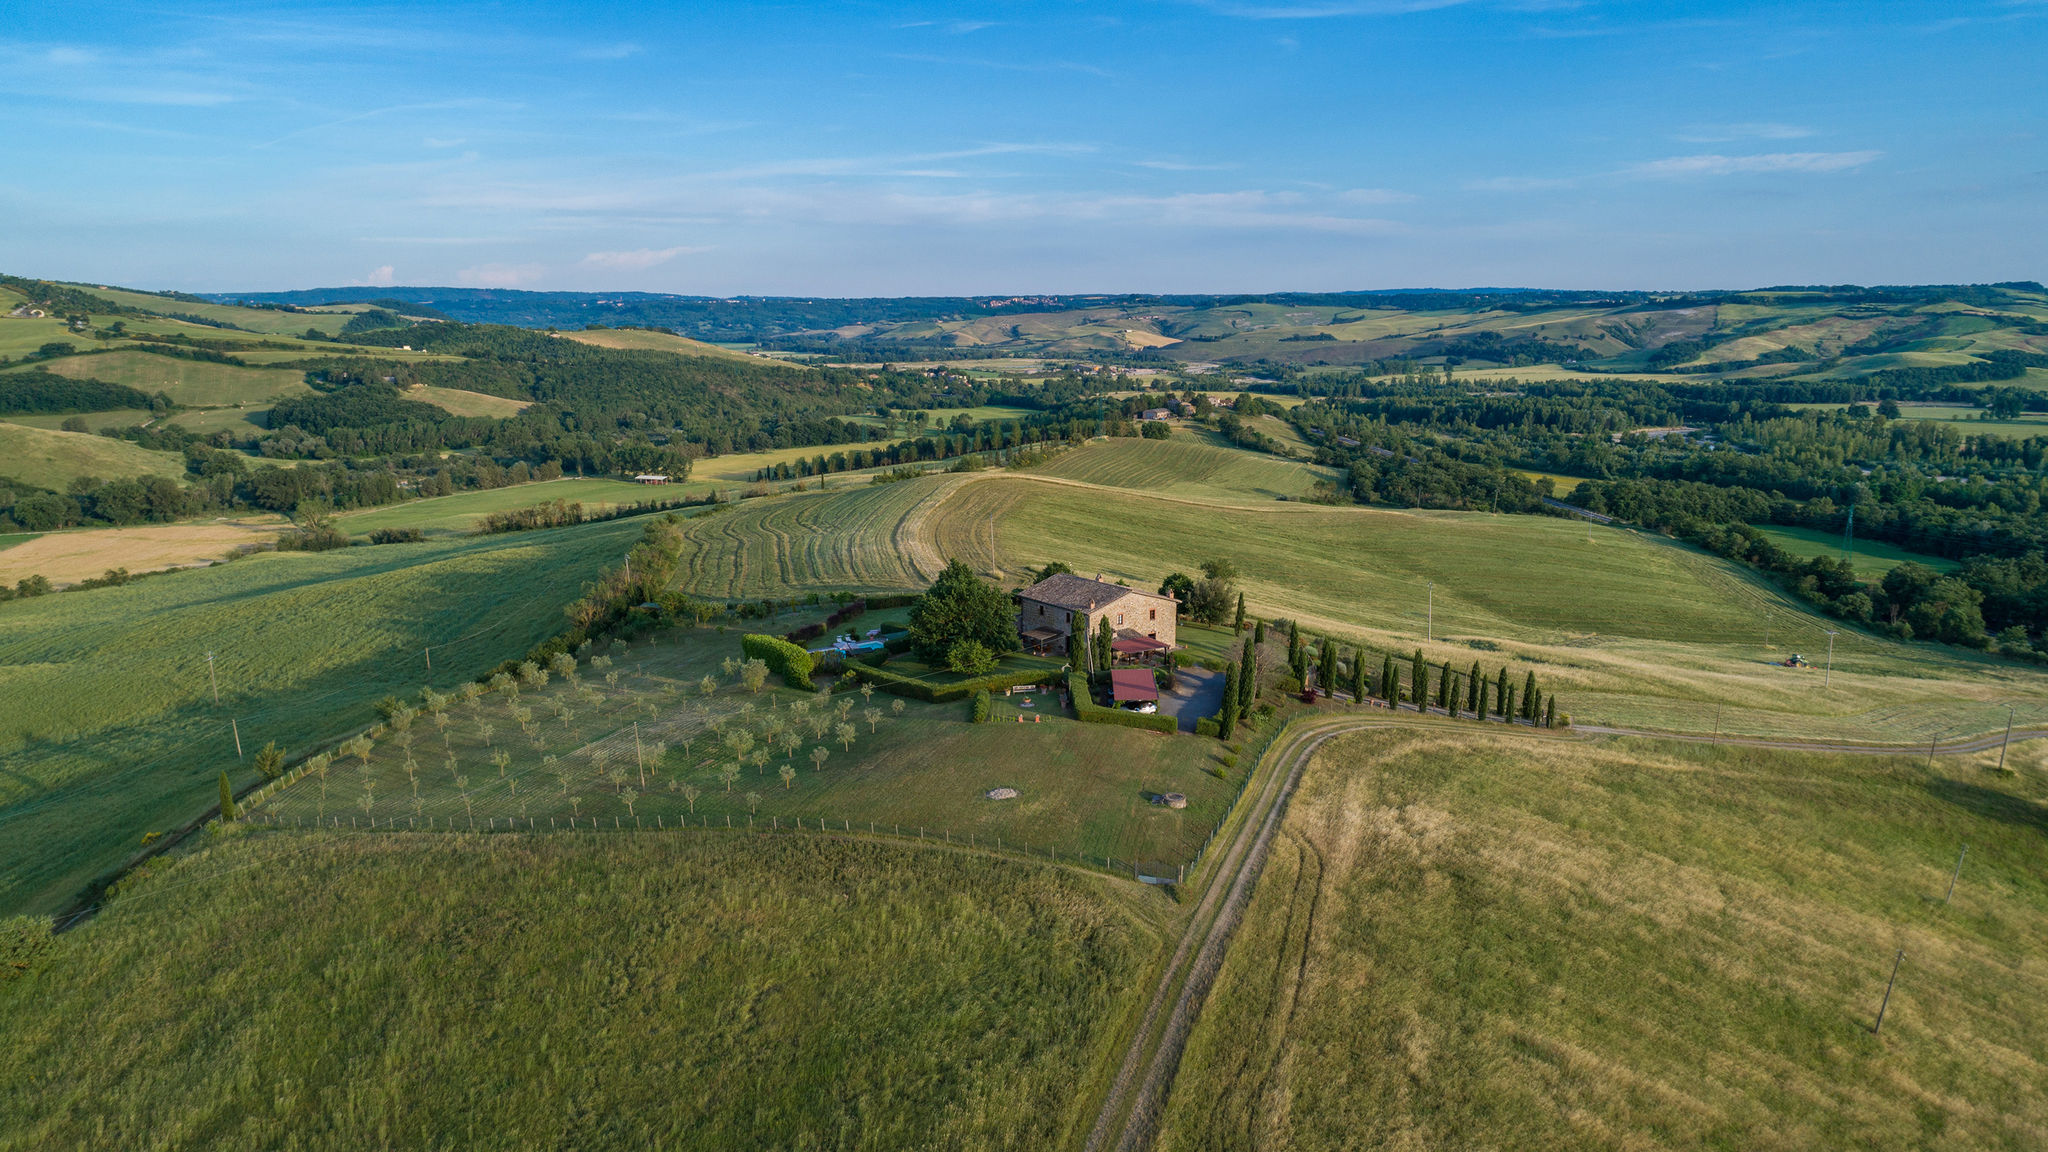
(889, 680)
(970, 658)
(1087, 711)
(397, 536)
(1208, 726)
(982, 706)
(784, 659)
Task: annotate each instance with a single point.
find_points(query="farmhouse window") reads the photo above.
(1041, 609)
(1152, 614)
(1119, 619)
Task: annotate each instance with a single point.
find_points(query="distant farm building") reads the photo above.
(1154, 414)
(1142, 623)
(650, 478)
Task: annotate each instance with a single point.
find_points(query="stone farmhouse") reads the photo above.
(1049, 611)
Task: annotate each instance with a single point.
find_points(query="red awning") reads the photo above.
(1133, 684)
(1137, 645)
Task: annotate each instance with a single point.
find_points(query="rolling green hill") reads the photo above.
(192, 383)
(52, 459)
(701, 991)
(108, 728)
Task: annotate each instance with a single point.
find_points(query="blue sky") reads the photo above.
(903, 149)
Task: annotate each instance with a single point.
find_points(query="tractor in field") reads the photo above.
(1795, 660)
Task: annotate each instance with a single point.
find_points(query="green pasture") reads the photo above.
(10, 539)
(236, 421)
(108, 729)
(193, 383)
(618, 744)
(1474, 941)
(54, 421)
(461, 512)
(693, 990)
(1188, 466)
(53, 459)
(1871, 558)
(261, 320)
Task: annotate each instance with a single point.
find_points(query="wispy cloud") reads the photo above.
(638, 258)
(500, 275)
(383, 274)
(1517, 184)
(1713, 164)
(1323, 11)
(1720, 133)
(1183, 166)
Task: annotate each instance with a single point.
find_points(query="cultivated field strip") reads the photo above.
(861, 538)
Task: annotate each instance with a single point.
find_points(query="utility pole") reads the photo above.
(1429, 628)
(1953, 876)
(1829, 678)
(2008, 738)
(212, 679)
(1887, 1001)
(429, 651)
(237, 727)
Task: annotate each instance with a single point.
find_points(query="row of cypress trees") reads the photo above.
(1454, 692)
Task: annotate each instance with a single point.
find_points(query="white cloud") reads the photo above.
(1516, 184)
(1376, 196)
(1713, 164)
(500, 275)
(385, 274)
(638, 258)
(1717, 133)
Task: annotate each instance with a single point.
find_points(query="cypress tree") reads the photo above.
(227, 798)
(1358, 675)
(1529, 697)
(1237, 625)
(1259, 632)
(1105, 634)
(1418, 686)
(1226, 717)
(1248, 677)
(1326, 667)
(1297, 660)
(1474, 688)
(1390, 688)
(1077, 654)
(1550, 712)
(1504, 696)
(1446, 690)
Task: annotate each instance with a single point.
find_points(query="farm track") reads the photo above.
(1129, 1117)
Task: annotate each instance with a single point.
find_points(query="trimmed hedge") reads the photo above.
(784, 659)
(1087, 711)
(911, 686)
(1208, 726)
(983, 705)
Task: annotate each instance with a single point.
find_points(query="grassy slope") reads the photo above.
(1084, 787)
(198, 383)
(1872, 558)
(52, 459)
(261, 320)
(465, 403)
(641, 340)
(679, 991)
(1475, 942)
(1634, 630)
(1188, 467)
(463, 511)
(107, 729)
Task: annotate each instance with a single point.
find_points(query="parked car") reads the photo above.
(1146, 707)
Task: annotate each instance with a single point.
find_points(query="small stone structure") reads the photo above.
(1006, 794)
(1174, 800)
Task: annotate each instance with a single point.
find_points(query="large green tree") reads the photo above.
(962, 606)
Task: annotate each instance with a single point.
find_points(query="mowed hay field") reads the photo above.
(1464, 941)
(195, 383)
(67, 557)
(1633, 630)
(462, 402)
(108, 729)
(708, 991)
(1188, 467)
(642, 340)
(866, 537)
(463, 512)
(53, 459)
(1871, 558)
